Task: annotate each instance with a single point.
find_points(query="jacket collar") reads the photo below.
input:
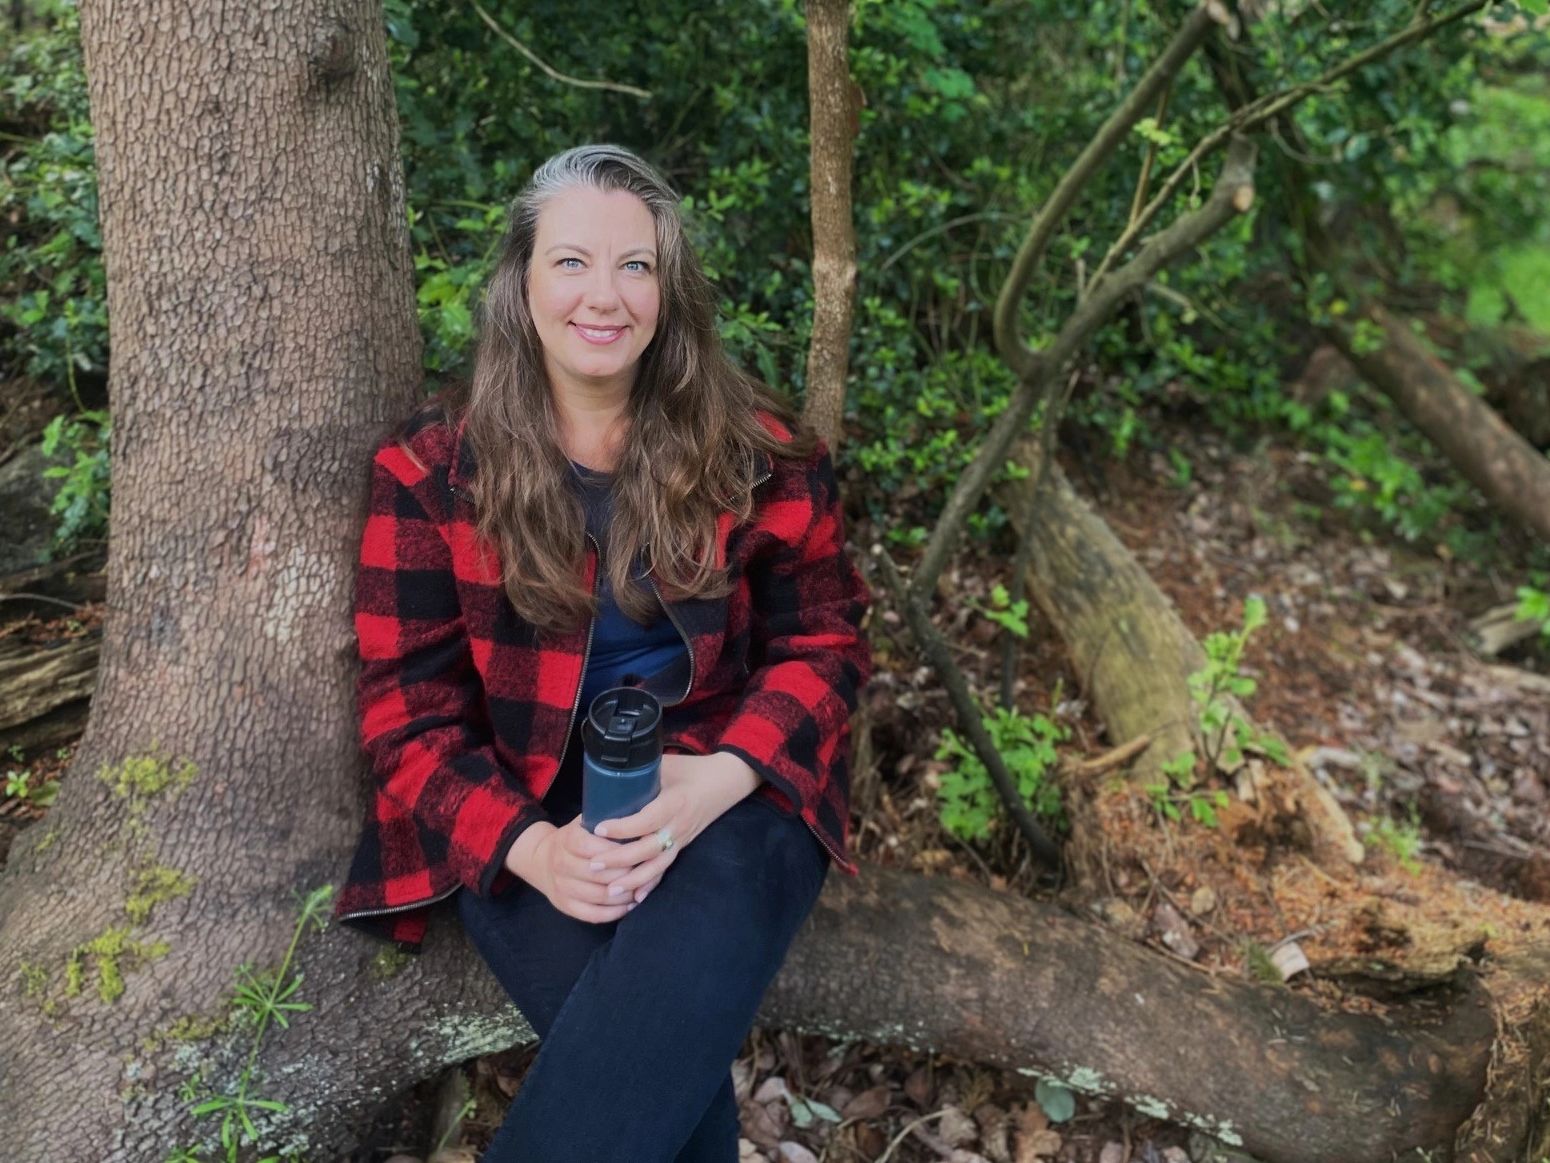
(460, 472)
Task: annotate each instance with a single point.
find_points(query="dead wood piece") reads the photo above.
(1499, 629)
(1518, 679)
(1108, 761)
(35, 681)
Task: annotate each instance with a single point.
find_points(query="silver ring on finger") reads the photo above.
(665, 838)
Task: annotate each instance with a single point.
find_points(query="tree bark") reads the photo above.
(833, 130)
(260, 290)
(1510, 471)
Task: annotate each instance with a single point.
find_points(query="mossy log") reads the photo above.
(1131, 650)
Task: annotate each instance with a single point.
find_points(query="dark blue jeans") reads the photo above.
(640, 1018)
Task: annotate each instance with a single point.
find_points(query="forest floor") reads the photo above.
(1440, 756)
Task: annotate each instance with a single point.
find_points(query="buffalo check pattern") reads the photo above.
(465, 709)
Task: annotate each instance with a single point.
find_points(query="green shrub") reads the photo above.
(967, 800)
(81, 504)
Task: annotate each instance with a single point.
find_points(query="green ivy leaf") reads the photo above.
(1057, 1102)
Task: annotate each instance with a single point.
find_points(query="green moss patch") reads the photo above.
(111, 952)
(389, 961)
(152, 884)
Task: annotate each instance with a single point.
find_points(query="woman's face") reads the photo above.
(592, 288)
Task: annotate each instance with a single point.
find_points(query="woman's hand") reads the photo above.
(696, 789)
(559, 862)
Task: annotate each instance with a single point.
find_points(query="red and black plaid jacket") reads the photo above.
(465, 711)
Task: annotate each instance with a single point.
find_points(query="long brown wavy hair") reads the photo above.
(693, 446)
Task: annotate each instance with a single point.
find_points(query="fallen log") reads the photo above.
(938, 964)
(45, 691)
(1511, 472)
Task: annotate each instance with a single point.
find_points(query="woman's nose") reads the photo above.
(602, 292)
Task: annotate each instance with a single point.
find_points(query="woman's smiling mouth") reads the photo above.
(599, 335)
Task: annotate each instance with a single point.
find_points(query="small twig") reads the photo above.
(1145, 177)
(900, 1137)
(1183, 909)
(1115, 757)
(940, 228)
(39, 598)
(578, 82)
(969, 848)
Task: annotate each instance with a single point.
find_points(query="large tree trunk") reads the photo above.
(259, 286)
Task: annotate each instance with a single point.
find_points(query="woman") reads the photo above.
(616, 503)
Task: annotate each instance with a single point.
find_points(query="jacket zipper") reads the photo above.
(564, 747)
(430, 900)
(688, 645)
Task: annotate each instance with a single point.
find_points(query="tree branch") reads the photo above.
(1017, 354)
(970, 714)
(1232, 194)
(1255, 113)
(551, 71)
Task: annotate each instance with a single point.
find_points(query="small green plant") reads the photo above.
(1224, 732)
(261, 997)
(19, 785)
(1401, 839)
(1178, 788)
(81, 504)
(1534, 606)
(967, 800)
(1009, 615)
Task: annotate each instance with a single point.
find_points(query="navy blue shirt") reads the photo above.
(623, 652)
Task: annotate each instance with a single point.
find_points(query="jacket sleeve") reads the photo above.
(422, 718)
(809, 654)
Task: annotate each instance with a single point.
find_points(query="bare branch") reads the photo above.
(1256, 113)
(611, 86)
(1232, 194)
(970, 714)
(1017, 354)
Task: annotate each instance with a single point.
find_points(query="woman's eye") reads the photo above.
(564, 262)
(641, 265)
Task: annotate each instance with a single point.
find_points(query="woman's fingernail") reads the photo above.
(630, 907)
(643, 896)
(596, 865)
(614, 890)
